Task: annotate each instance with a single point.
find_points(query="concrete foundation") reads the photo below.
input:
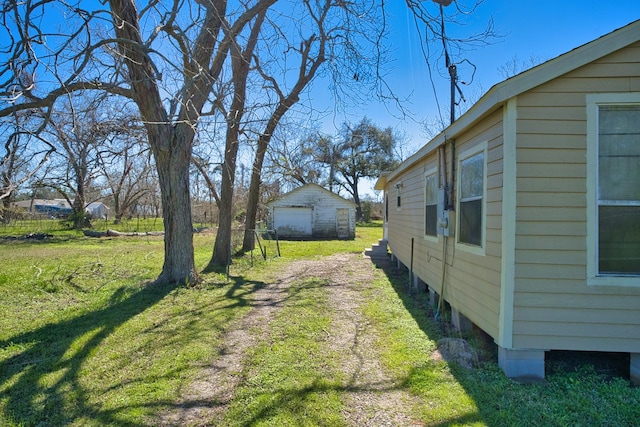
(433, 297)
(634, 368)
(460, 322)
(417, 283)
(524, 364)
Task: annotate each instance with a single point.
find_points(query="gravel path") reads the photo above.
(373, 397)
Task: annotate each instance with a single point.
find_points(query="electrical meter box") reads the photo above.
(446, 217)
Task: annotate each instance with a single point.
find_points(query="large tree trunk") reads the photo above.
(222, 245)
(173, 175)
(240, 66)
(5, 212)
(171, 146)
(79, 215)
(356, 197)
(248, 242)
(284, 105)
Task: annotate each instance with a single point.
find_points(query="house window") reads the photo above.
(471, 191)
(431, 204)
(399, 196)
(618, 190)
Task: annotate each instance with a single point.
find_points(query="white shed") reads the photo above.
(311, 211)
(97, 210)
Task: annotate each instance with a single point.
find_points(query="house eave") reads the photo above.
(381, 183)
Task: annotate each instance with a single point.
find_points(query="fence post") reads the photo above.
(275, 233)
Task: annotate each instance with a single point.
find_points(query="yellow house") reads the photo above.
(524, 214)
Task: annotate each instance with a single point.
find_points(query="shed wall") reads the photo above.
(324, 207)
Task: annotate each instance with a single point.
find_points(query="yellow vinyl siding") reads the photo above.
(558, 112)
(570, 257)
(408, 223)
(527, 286)
(622, 64)
(553, 228)
(472, 281)
(604, 343)
(553, 306)
(473, 285)
(551, 315)
(538, 184)
(577, 329)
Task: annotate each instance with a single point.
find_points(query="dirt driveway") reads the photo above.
(373, 397)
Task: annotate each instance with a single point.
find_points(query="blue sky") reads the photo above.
(543, 29)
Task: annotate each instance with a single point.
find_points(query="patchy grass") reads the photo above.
(292, 378)
(484, 396)
(86, 341)
(407, 338)
(365, 237)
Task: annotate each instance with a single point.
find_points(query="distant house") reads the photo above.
(524, 214)
(311, 211)
(60, 207)
(54, 207)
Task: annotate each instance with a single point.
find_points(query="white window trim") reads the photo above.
(477, 250)
(593, 102)
(427, 174)
(398, 187)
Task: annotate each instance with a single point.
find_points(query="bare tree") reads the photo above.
(166, 58)
(127, 167)
(445, 41)
(241, 59)
(80, 129)
(179, 61)
(362, 151)
(516, 65)
(22, 155)
(292, 158)
(343, 38)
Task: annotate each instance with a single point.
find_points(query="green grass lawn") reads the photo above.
(86, 341)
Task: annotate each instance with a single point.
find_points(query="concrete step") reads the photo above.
(375, 254)
(378, 252)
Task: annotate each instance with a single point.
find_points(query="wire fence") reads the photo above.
(41, 223)
(262, 243)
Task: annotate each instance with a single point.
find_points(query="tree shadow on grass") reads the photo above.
(49, 351)
(500, 401)
(296, 404)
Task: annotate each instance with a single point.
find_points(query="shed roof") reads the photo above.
(501, 92)
(315, 187)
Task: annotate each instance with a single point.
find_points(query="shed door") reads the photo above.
(290, 221)
(343, 223)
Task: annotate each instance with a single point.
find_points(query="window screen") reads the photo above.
(471, 194)
(431, 208)
(619, 189)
